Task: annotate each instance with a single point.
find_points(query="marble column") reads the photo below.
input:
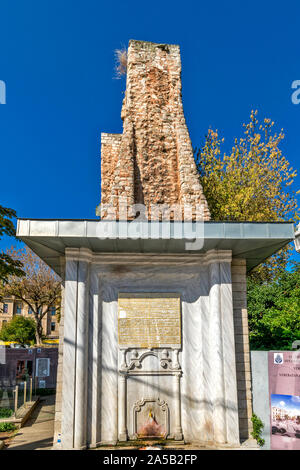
(94, 363)
(122, 399)
(80, 427)
(69, 354)
(59, 391)
(229, 358)
(177, 407)
(75, 349)
(222, 354)
(216, 355)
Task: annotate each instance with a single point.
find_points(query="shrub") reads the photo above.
(7, 427)
(6, 412)
(257, 429)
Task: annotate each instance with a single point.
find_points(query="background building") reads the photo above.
(40, 364)
(11, 307)
(278, 413)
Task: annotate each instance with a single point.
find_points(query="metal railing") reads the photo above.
(13, 399)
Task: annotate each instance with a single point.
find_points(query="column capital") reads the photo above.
(79, 254)
(218, 256)
(123, 374)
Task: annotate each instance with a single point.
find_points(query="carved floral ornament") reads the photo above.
(136, 359)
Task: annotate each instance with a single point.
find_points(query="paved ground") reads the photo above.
(249, 445)
(37, 434)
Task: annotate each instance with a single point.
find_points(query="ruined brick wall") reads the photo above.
(152, 161)
(110, 150)
(242, 352)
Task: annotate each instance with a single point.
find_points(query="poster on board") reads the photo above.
(284, 390)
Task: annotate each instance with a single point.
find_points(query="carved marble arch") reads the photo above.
(137, 358)
(167, 359)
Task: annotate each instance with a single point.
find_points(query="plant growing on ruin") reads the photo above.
(39, 289)
(121, 62)
(251, 183)
(257, 429)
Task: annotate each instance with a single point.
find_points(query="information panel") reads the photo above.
(284, 388)
(149, 320)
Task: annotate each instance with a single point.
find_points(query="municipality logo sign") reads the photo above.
(278, 358)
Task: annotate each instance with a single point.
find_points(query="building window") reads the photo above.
(5, 308)
(19, 309)
(24, 369)
(20, 372)
(53, 311)
(53, 324)
(29, 311)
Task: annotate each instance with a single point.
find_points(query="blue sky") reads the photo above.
(57, 60)
(287, 402)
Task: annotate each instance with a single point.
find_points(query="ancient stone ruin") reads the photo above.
(152, 162)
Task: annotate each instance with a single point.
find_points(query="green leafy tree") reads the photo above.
(251, 183)
(19, 329)
(274, 311)
(39, 289)
(8, 265)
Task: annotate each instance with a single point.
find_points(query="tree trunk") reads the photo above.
(39, 333)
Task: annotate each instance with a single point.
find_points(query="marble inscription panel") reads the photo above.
(149, 320)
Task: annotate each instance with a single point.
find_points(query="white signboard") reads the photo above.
(42, 383)
(42, 367)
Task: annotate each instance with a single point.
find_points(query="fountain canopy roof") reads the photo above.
(248, 240)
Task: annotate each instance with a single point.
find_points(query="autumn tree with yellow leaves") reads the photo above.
(251, 183)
